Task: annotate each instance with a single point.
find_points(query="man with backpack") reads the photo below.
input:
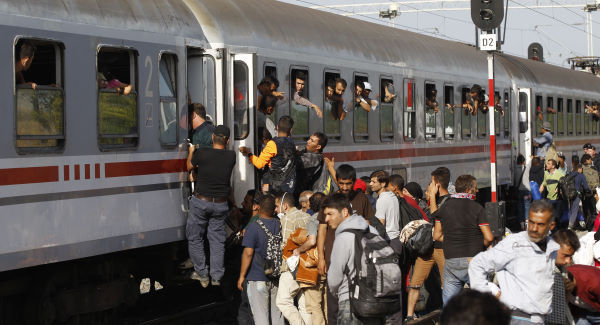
(261, 260)
(573, 186)
(357, 246)
(589, 203)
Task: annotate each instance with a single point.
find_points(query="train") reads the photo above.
(93, 186)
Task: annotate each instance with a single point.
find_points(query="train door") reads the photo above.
(525, 132)
(242, 97)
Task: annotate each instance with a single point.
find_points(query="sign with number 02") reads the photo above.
(487, 42)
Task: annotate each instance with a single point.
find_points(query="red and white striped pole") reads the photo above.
(491, 114)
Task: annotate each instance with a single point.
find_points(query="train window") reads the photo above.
(448, 112)
(560, 117)
(465, 115)
(270, 70)
(117, 98)
(361, 116)
(550, 112)
(538, 115)
(578, 116)
(431, 109)
(506, 107)
(299, 82)
(39, 95)
(167, 86)
(482, 123)
(201, 82)
(333, 106)
(497, 113)
(587, 120)
(410, 111)
(594, 126)
(569, 116)
(386, 117)
(240, 109)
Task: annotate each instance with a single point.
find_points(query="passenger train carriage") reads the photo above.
(87, 171)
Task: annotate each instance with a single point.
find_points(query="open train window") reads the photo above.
(361, 116)
(538, 114)
(270, 70)
(550, 112)
(482, 122)
(299, 83)
(587, 120)
(201, 82)
(506, 108)
(39, 95)
(465, 120)
(241, 126)
(386, 116)
(333, 106)
(560, 117)
(448, 112)
(117, 98)
(594, 126)
(497, 114)
(410, 110)
(431, 109)
(167, 86)
(570, 117)
(578, 118)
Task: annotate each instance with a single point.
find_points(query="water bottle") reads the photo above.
(535, 191)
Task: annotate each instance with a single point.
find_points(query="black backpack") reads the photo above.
(408, 213)
(375, 289)
(566, 185)
(421, 242)
(273, 261)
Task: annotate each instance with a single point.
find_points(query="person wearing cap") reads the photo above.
(589, 149)
(299, 99)
(544, 141)
(366, 95)
(359, 98)
(209, 207)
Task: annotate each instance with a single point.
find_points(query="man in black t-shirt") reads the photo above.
(208, 206)
(462, 227)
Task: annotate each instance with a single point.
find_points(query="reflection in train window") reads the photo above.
(431, 109)
(117, 98)
(332, 107)
(386, 117)
(39, 111)
(549, 115)
(299, 82)
(569, 116)
(167, 85)
(506, 107)
(587, 120)
(361, 117)
(560, 117)
(538, 114)
(448, 112)
(578, 116)
(410, 110)
(497, 114)
(240, 102)
(465, 122)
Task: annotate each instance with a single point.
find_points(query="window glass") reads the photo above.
(482, 123)
(497, 114)
(594, 126)
(569, 116)
(40, 111)
(410, 114)
(333, 106)
(550, 112)
(117, 98)
(587, 120)
(538, 115)
(465, 120)
(448, 112)
(300, 113)
(167, 124)
(431, 109)
(386, 118)
(506, 107)
(578, 121)
(201, 87)
(240, 108)
(560, 117)
(361, 116)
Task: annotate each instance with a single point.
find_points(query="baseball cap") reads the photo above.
(222, 130)
(588, 146)
(360, 185)
(367, 86)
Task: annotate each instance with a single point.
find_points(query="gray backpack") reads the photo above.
(376, 287)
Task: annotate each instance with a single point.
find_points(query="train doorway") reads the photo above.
(525, 132)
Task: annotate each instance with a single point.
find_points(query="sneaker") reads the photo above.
(187, 264)
(215, 283)
(204, 280)
(409, 319)
(582, 224)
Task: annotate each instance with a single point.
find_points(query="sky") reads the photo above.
(558, 25)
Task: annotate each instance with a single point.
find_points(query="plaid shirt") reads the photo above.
(292, 220)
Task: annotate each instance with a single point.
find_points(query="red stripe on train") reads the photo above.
(15, 176)
(136, 168)
(410, 153)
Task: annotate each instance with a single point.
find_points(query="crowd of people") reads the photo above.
(322, 246)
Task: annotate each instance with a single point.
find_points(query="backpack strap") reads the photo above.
(264, 228)
(358, 251)
(443, 201)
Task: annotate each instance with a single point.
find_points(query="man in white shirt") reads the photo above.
(387, 209)
(524, 264)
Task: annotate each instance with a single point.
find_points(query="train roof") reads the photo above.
(171, 17)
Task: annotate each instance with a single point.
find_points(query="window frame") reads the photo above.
(506, 118)
(446, 137)
(175, 99)
(59, 48)
(356, 137)
(570, 132)
(413, 110)
(292, 83)
(579, 115)
(247, 70)
(463, 95)
(435, 115)
(560, 112)
(386, 137)
(334, 137)
(587, 121)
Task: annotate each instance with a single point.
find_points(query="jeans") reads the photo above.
(592, 319)
(574, 211)
(244, 312)
(557, 205)
(205, 216)
(259, 294)
(346, 317)
(524, 203)
(456, 274)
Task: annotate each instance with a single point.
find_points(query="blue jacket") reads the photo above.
(580, 182)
